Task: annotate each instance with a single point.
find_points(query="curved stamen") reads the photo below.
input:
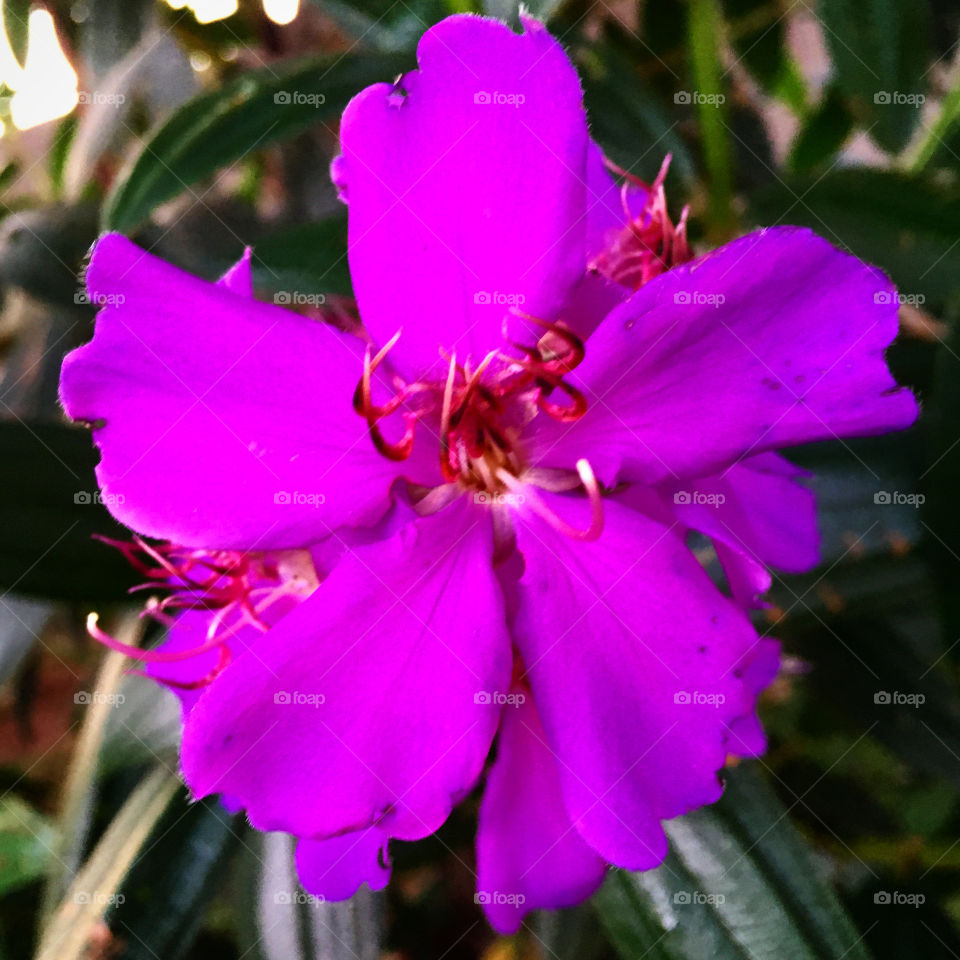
(589, 481)
(225, 657)
(371, 412)
(147, 656)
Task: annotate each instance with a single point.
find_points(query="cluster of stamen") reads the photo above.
(236, 588)
(650, 243)
(482, 409)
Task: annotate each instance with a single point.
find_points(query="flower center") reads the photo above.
(237, 588)
(483, 409)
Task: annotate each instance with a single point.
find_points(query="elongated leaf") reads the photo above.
(174, 879)
(822, 135)
(903, 224)
(739, 884)
(285, 923)
(219, 127)
(15, 15)
(26, 843)
(880, 49)
(95, 888)
(308, 258)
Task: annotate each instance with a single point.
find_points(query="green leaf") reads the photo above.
(282, 922)
(738, 884)
(219, 127)
(397, 26)
(626, 117)
(903, 224)
(822, 135)
(27, 839)
(880, 50)
(95, 888)
(49, 514)
(15, 16)
(173, 880)
(757, 31)
(310, 258)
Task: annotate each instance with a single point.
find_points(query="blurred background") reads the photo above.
(174, 123)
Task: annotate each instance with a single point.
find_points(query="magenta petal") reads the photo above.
(760, 510)
(529, 854)
(606, 213)
(466, 191)
(365, 704)
(239, 278)
(632, 654)
(773, 340)
(334, 869)
(222, 422)
(759, 669)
